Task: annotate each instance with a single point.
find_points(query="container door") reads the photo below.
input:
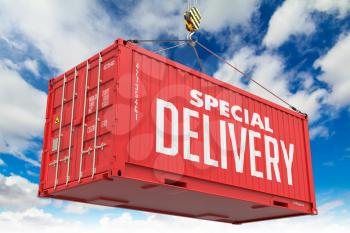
(82, 122)
(96, 147)
(62, 129)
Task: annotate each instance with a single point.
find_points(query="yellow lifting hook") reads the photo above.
(192, 18)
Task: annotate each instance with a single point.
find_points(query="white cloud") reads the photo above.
(18, 193)
(9, 64)
(32, 216)
(13, 44)
(319, 131)
(21, 117)
(76, 208)
(33, 219)
(306, 80)
(32, 66)
(268, 69)
(149, 19)
(87, 27)
(218, 15)
(289, 19)
(22, 214)
(294, 18)
(65, 32)
(31, 173)
(339, 7)
(309, 101)
(336, 71)
(329, 206)
(81, 208)
(320, 224)
(167, 17)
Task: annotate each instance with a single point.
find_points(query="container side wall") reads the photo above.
(186, 123)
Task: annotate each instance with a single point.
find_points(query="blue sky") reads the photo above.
(299, 49)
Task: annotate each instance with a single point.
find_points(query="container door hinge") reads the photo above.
(101, 146)
(64, 159)
(53, 163)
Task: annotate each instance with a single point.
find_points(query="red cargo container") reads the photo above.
(129, 128)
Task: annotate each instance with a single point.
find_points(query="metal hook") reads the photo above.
(191, 41)
(189, 35)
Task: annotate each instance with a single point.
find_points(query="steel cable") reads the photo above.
(198, 58)
(250, 78)
(219, 58)
(157, 41)
(171, 47)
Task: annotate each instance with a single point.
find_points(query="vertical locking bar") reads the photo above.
(96, 114)
(60, 131)
(83, 123)
(71, 125)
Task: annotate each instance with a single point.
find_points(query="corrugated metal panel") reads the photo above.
(175, 87)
